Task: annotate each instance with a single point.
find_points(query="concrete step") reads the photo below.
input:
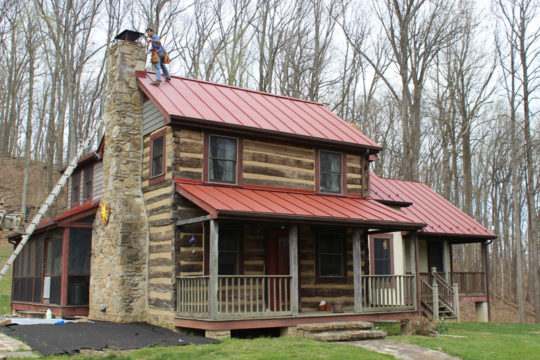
(337, 325)
(346, 335)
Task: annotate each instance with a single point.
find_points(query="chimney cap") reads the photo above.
(129, 35)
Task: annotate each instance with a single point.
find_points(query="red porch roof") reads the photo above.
(440, 215)
(234, 202)
(189, 99)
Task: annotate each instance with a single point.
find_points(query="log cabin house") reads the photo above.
(256, 207)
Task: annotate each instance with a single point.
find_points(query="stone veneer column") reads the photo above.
(118, 281)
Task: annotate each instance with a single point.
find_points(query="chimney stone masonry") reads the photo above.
(118, 281)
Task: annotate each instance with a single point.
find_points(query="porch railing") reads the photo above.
(239, 296)
(383, 293)
(470, 283)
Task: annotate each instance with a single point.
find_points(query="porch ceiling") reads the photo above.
(240, 203)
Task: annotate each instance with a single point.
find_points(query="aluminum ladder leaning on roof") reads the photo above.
(83, 146)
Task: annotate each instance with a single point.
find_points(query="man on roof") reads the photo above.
(159, 65)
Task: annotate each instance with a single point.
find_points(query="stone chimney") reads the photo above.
(118, 281)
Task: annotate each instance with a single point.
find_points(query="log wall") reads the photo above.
(159, 199)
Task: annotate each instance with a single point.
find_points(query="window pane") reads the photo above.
(381, 255)
(222, 170)
(330, 182)
(87, 191)
(331, 265)
(157, 156)
(75, 186)
(229, 252)
(222, 148)
(330, 243)
(330, 162)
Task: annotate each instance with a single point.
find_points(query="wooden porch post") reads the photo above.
(293, 261)
(357, 270)
(486, 275)
(412, 260)
(213, 271)
(446, 264)
(65, 267)
(414, 240)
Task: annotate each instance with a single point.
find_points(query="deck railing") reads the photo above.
(239, 296)
(470, 283)
(384, 293)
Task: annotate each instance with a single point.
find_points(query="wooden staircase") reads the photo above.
(439, 294)
(340, 331)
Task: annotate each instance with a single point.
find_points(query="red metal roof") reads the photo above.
(192, 99)
(226, 201)
(440, 215)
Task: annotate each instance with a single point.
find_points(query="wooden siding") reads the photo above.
(280, 165)
(159, 200)
(152, 118)
(188, 154)
(190, 257)
(354, 174)
(97, 191)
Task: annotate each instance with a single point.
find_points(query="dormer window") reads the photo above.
(222, 159)
(75, 187)
(330, 172)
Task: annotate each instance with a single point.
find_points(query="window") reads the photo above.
(75, 187)
(330, 255)
(330, 172)
(157, 166)
(222, 159)
(229, 252)
(87, 186)
(381, 255)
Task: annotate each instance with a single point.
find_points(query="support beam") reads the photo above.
(213, 271)
(414, 240)
(193, 220)
(293, 266)
(357, 270)
(412, 262)
(486, 276)
(446, 261)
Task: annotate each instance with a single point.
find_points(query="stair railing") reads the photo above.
(444, 295)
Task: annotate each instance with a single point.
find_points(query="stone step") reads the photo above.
(346, 335)
(337, 325)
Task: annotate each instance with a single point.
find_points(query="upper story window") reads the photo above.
(75, 187)
(331, 255)
(222, 160)
(330, 172)
(157, 154)
(87, 185)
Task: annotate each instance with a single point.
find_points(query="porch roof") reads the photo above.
(443, 219)
(287, 205)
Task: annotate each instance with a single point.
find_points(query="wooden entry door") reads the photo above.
(278, 264)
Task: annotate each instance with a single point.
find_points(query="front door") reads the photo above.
(278, 264)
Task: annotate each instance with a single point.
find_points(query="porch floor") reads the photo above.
(286, 321)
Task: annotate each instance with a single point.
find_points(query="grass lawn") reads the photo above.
(262, 348)
(484, 341)
(5, 283)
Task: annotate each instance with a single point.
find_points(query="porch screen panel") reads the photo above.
(54, 267)
(27, 272)
(382, 257)
(79, 265)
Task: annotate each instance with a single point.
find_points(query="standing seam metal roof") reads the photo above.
(202, 100)
(440, 215)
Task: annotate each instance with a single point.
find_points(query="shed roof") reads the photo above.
(440, 215)
(189, 100)
(234, 202)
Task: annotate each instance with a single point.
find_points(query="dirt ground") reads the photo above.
(501, 312)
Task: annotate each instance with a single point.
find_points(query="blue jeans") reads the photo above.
(161, 66)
